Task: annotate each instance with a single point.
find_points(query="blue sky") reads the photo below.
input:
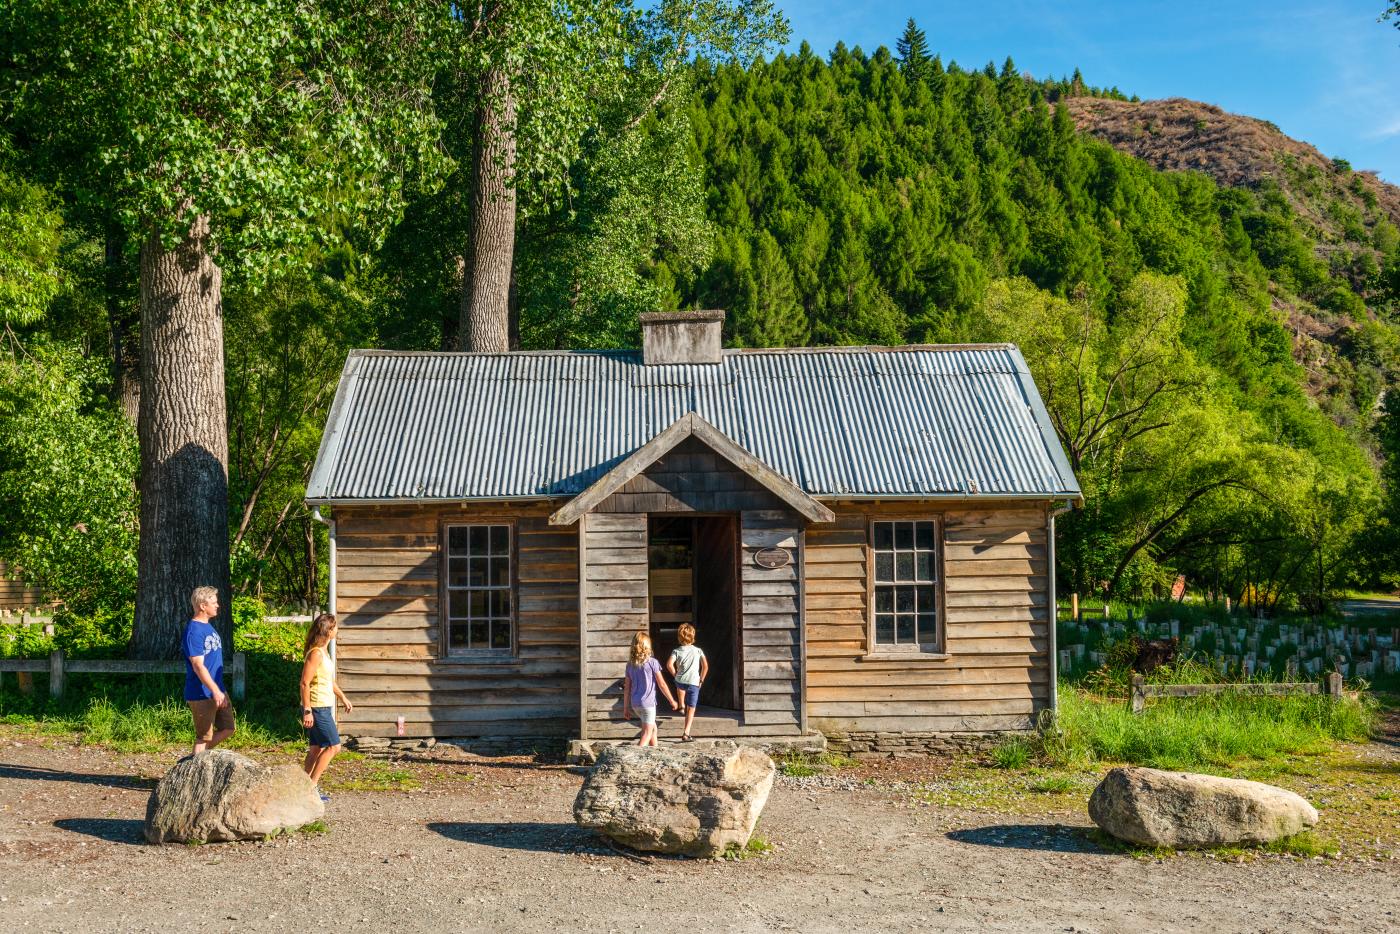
(1325, 71)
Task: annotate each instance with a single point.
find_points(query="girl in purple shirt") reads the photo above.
(639, 688)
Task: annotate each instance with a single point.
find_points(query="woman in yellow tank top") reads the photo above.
(319, 693)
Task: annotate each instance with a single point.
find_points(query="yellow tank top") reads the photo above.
(321, 681)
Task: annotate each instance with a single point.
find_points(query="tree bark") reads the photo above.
(183, 436)
(485, 311)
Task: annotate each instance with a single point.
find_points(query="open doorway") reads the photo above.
(692, 574)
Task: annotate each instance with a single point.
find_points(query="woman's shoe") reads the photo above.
(687, 738)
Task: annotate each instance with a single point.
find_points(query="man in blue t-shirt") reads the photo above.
(204, 673)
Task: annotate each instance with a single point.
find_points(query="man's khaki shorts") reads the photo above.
(208, 718)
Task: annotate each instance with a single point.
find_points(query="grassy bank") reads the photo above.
(147, 712)
(1201, 733)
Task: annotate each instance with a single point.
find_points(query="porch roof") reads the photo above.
(919, 421)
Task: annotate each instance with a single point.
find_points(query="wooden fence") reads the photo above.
(57, 668)
(1141, 690)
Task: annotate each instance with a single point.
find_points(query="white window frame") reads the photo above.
(510, 588)
(938, 645)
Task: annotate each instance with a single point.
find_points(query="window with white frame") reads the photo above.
(479, 614)
(905, 585)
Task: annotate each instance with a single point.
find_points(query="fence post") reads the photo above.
(1334, 685)
(1074, 607)
(239, 671)
(56, 673)
(1139, 693)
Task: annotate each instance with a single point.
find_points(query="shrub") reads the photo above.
(24, 642)
(98, 633)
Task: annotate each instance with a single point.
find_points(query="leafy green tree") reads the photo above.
(538, 76)
(30, 235)
(222, 136)
(68, 504)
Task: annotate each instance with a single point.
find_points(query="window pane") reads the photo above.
(927, 600)
(904, 600)
(500, 634)
(457, 572)
(905, 633)
(480, 630)
(500, 540)
(457, 540)
(884, 599)
(457, 635)
(904, 534)
(500, 602)
(924, 565)
(477, 575)
(500, 572)
(477, 539)
(884, 629)
(884, 566)
(478, 603)
(884, 535)
(928, 629)
(457, 604)
(904, 565)
(924, 535)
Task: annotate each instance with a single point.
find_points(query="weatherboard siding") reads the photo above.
(995, 590)
(389, 657)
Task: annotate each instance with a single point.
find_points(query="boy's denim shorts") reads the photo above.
(690, 694)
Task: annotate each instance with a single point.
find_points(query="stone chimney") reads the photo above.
(681, 337)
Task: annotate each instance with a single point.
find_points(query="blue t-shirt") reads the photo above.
(202, 639)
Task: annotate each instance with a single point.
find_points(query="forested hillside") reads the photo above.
(861, 199)
(849, 198)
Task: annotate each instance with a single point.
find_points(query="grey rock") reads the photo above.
(218, 796)
(1182, 810)
(682, 801)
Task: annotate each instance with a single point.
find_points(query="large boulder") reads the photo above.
(688, 801)
(217, 796)
(1184, 811)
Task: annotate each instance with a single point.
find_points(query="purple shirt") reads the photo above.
(644, 682)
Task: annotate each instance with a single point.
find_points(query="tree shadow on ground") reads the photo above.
(1052, 837)
(536, 836)
(111, 829)
(36, 773)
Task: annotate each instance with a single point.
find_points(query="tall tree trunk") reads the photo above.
(485, 318)
(122, 321)
(184, 442)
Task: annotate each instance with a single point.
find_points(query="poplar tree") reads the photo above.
(222, 135)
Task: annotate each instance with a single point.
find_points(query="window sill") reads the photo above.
(905, 656)
(483, 658)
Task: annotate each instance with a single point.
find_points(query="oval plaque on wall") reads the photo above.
(772, 558)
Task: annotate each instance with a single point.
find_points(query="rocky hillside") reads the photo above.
(1178, 134)
(1348, 218)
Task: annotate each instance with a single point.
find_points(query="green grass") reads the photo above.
(805, 764)
(1054, 785)
(375, 776)
(1210, 732)
(147, 713)
(1012, 754)
(315, 827)
(756, 847)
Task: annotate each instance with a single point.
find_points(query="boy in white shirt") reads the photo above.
(689, 667)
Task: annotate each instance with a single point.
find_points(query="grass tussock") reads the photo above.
(1201, 732)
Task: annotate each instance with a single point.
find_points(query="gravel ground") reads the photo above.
(489, 845)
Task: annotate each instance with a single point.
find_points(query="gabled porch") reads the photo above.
(692, 528)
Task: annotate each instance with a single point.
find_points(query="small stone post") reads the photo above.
(1334, 685)
(1138, 697)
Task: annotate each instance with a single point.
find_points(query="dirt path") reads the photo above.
(489, 845)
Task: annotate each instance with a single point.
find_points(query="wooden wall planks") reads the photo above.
(995, 578)
(389, 657)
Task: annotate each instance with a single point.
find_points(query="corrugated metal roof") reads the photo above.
(907, 421)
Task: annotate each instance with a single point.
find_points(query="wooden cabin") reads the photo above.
(863, 537)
